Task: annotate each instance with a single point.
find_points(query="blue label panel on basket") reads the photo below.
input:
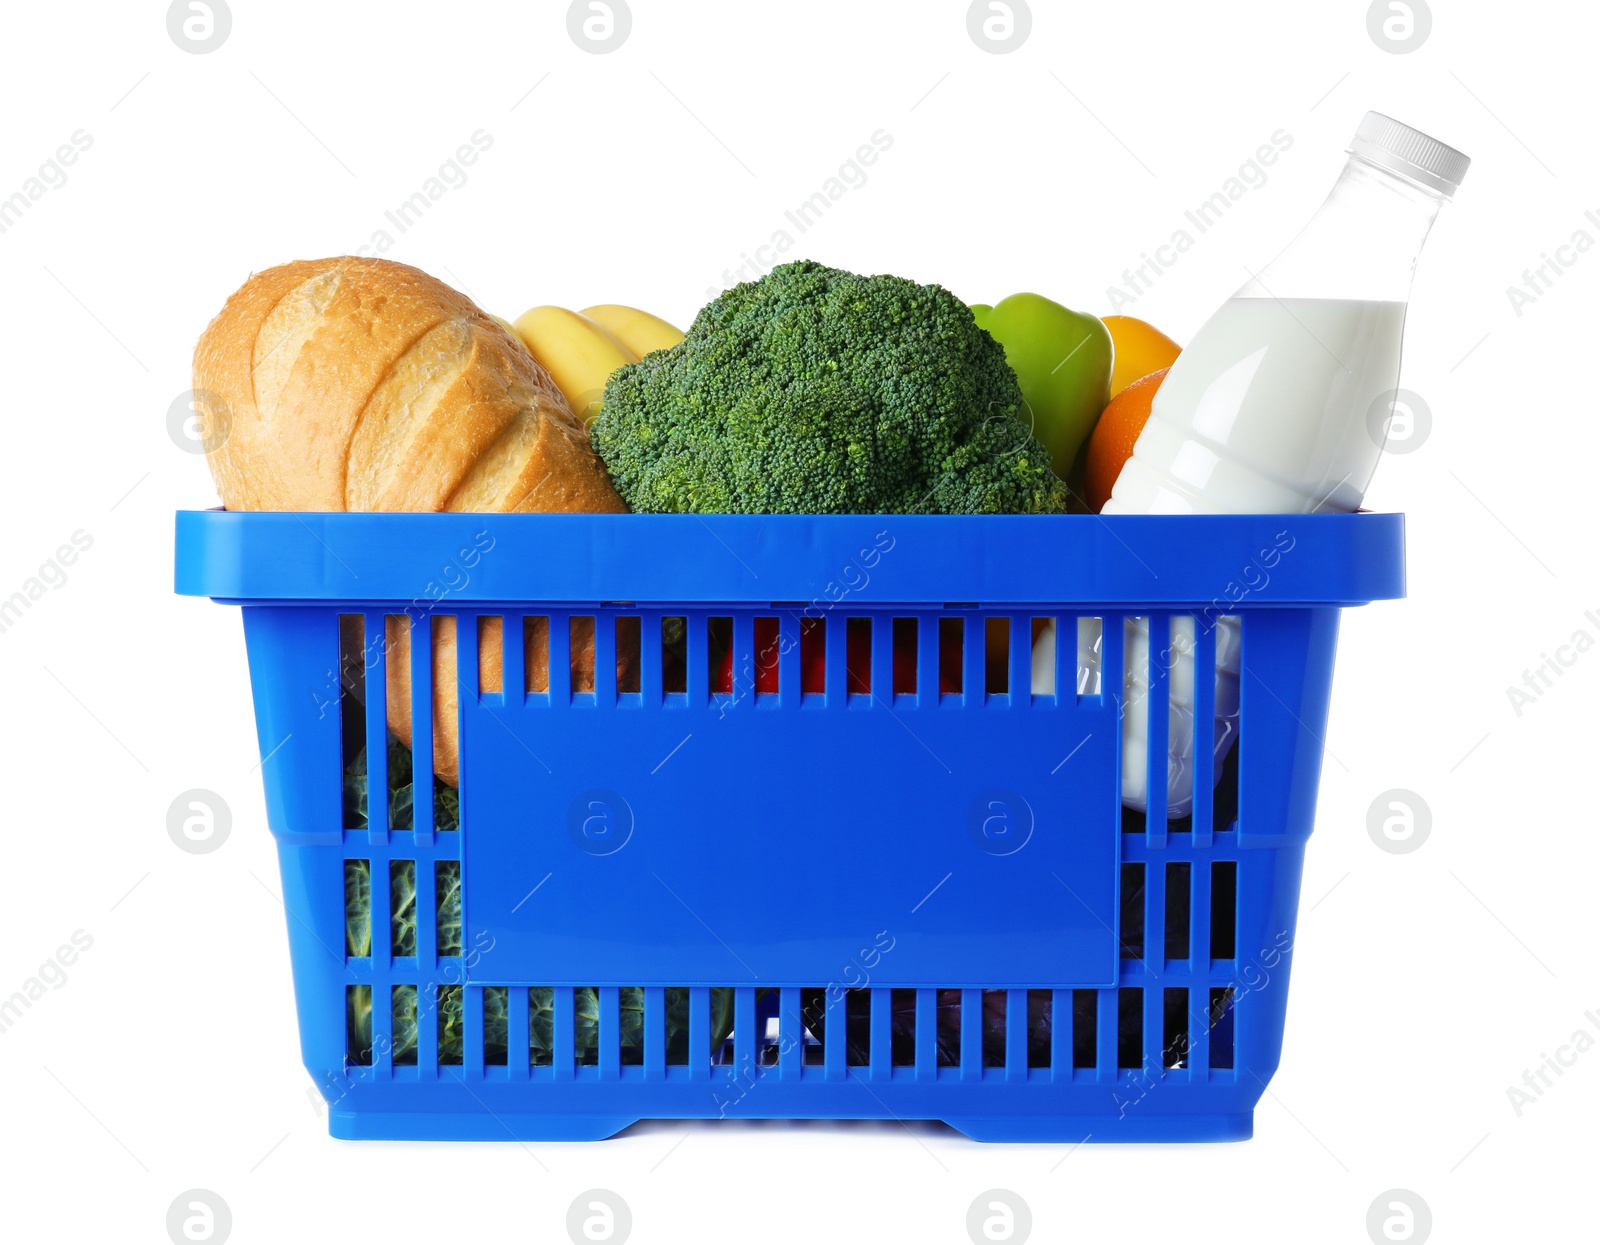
(943, 845)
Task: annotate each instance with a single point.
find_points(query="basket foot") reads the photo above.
(477, 1126)
(1072, 1129)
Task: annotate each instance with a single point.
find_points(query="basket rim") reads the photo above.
(1222, 563)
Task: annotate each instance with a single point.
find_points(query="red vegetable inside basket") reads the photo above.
(858, 657)
(814, 653)
(768, 647)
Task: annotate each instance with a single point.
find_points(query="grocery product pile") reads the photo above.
(363, 384)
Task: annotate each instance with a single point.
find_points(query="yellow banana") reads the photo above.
(638, 330)
(578, 353)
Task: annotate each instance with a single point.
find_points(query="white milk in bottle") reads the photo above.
(1270, 410)
(1265, 412)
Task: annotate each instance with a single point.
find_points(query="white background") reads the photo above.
(1425, 984)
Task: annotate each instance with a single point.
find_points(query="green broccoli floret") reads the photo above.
(818, 391)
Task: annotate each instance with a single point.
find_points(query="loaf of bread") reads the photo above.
(363, 384)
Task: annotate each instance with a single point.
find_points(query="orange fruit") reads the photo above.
(1111, 442)
(1139, 348)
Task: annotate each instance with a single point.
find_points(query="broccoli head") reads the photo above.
(819, 391)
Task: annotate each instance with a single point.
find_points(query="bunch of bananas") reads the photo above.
(580, 349)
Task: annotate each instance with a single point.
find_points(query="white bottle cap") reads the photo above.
(1411, 153)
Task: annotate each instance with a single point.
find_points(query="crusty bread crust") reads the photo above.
(363, 384)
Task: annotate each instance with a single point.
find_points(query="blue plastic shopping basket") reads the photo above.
(887, 879)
